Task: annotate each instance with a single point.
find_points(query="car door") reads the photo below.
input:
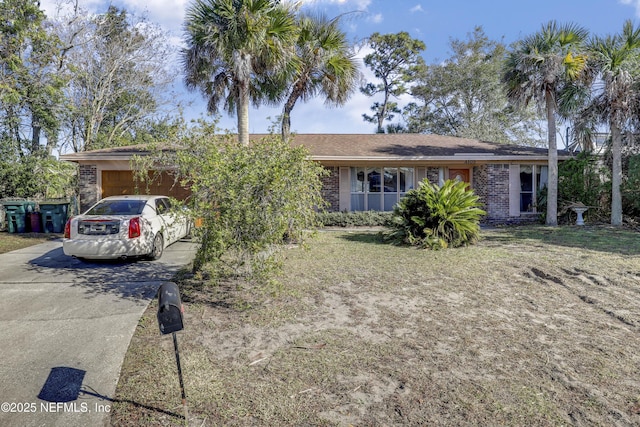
(172, 223)
(162, 212)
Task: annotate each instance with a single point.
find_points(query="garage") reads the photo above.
(119, 182)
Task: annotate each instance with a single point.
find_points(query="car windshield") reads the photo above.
(117, 207)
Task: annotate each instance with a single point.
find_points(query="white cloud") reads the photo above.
(360, 4)
(635, 3)
(376, 19)
(169, 14)
(416, 8)
(54, 8)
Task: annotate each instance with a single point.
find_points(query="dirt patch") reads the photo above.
(510, 331)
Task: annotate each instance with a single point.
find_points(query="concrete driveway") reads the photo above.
(65, 326)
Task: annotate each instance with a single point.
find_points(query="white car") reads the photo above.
(125, 226)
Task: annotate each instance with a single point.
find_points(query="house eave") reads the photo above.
(470, 159)
(436, 159)
(89, 157)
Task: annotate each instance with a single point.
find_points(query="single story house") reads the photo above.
(369, 172)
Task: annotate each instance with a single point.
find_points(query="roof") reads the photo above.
(372, 147)
(407, 146)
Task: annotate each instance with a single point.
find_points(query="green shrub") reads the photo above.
(355, 219)
(37, 177)
(250, 200)
(437, 217)
(631, 187)
(579, 180)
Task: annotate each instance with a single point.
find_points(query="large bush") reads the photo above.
(631, 187)
(37, 177)
(437, 217)
(579, 180)
(249, 199)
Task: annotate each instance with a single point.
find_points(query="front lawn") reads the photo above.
(11, 241)
(531, 326)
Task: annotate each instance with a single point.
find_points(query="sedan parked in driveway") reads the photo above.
(125, 226)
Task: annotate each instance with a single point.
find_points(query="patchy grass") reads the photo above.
(11, 241)
(531, 326)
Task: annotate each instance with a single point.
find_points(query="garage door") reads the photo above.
(117, 183)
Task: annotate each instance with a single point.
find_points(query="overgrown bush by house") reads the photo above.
(437, 217)
(355, 219)
(631, 187)
(579, 181)
(250, 199)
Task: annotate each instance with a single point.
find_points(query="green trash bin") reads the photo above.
(53, 216)
(16, 212)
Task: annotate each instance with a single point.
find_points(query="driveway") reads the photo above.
(65, 326)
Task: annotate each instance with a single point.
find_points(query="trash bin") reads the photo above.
(16, 212)
(33, 221)
(54, 216)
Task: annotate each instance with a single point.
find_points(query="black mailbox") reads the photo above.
(169, 308)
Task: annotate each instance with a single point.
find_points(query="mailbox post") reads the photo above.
(170, 313)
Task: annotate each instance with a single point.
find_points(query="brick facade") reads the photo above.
(433, 175)
(491, 184)
(331, 189)
(88, 186)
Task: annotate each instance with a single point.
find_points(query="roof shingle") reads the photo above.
(369, 147)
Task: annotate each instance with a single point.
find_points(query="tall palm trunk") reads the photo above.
(242, 71)
(296, 93)
(286, 113)
(616, 174)
(285, 130)
(242, 110)
(552, 185)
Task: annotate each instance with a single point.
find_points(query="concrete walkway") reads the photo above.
(65, 326)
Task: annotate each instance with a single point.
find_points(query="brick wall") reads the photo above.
(331, 189)
(491, 184)
(88, 186)
(433, 175)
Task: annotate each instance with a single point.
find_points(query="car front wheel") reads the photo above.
(158, 247)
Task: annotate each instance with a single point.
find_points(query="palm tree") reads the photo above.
(235, 49)
(613, 59)
(327, 66)
(539, 67)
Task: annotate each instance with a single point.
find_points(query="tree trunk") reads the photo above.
(616, 175)
(286, 115)
(35, 137)
(552, 186)
(383, 112)
(36, 131)
(242, 76)
(285, 129)
(242, 109)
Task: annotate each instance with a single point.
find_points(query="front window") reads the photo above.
(533, 178)
(379, 189)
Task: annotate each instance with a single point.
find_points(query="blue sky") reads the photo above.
(435, 22)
